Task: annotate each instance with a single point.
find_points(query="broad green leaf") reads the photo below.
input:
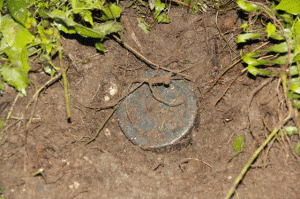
(295, 81)
(297, 58)
(99, 46)
(143, 25)
(293, 95)
(111, 12)
(295, 88)
(159, 6)
(297, 27)
(271, 28)
(254, 71)
(87, 16)
(297, 149)
(283, 59)
(254, 62)
(238, 143)
(15, 35)
(279, 36)
(287, 18)
(244, 37)
(163, 19)
(247, 6)
(1, 4)
(294, 70)
(108, 27)
(280, 48)
(15, 77)
(18, 10)
(99, 31)
(291, 130)
(152, 4)
(290, 6)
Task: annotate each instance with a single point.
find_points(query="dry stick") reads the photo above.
(229, 86)
(182, 3)
(65, 80)
(103, 124)
(34, 97)
(12, 106)
(229, 67)
(148, 61)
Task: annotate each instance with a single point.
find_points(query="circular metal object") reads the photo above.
(151, 123)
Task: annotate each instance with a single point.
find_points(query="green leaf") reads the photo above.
(159, 7)
(152, 4)
(287, 18)
(297, 27)
(99, 31)
(294, 70)
(297, 148)
(295, 88)
(100, 47)
(18, 10)
(15, 35)
(296, 104)
(271, 28)
(15, 77)
(293, 95)
(163, 19)
(290, 6)
(1, 85)
(143, 25)
(238, 143)
(254, 71)
(87, 16)
(112, 11)
(1, 5)
(280, 48)
(247, 6)
(291, 130)
(297, 58)
(244, 37)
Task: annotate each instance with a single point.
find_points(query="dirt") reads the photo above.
(112, 166)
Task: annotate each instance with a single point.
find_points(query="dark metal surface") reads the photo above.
(150, 123)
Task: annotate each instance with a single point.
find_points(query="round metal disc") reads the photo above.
(150, 122)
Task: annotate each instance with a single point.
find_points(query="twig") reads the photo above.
(103, 124)
(12, 106)
(229, 86)
(147, 60)
(229, 67)
(44, 86)
(181, 3)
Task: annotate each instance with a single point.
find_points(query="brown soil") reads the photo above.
(112, 166)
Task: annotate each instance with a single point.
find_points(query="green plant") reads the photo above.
(282, 60)
(32, 28)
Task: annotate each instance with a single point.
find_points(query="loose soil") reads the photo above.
(112, 166)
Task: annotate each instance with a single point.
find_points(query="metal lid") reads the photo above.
(151, 123)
